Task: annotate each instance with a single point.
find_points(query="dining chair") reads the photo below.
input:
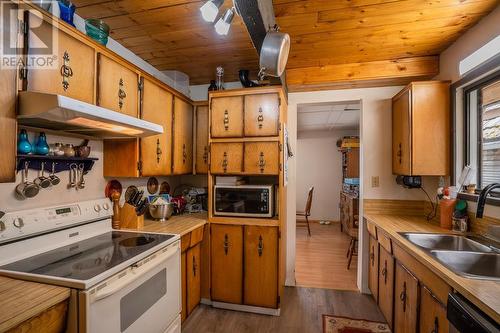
(307, 211)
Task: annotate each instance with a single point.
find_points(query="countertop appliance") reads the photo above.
(62, 113)
(122, 281)
(465, 317)
(244, 200)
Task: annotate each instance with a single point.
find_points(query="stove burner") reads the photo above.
(136, 241)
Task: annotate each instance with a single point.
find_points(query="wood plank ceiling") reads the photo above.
(335, 43)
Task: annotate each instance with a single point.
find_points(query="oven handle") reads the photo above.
(135, 273)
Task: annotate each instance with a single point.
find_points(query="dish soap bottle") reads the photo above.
(23, 144)
(41, 147)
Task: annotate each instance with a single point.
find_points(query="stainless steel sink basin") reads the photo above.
(445, 242)
(471, 264)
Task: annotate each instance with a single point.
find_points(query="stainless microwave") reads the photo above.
(244, 200)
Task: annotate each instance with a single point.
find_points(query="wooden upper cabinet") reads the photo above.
(261, 266)
(405, 301)
(373, 267)
(226, 158)
(352, 163)
(183, 137)
(121, 158)
(73, 74)
(201, 161)
(118, 87)
(261, 158)
(262, 114)
(227, 117)
(421, 129)
(193, 277)
(227, 263)
(156, 151)
(432, 313)
(386, 284)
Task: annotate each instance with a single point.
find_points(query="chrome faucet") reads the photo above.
(482, 198)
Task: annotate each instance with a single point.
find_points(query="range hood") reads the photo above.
(61, 113)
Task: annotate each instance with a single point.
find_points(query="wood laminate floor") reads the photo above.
(301, 311)
(320, 260)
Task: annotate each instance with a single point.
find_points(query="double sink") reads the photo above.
(469, 256)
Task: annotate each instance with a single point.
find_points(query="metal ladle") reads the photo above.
(43, 181)
(53, 178)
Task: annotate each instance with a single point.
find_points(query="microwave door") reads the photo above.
(252, 202)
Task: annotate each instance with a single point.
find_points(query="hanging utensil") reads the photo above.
(53, 178)
(81, 180)
(41, 180)
(152, 185)
(274, 53)
(130, 193)
(27, 189)
(72, 175)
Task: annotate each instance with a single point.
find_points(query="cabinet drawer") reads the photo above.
(118, 87)
(262, 115)
(372, 229)
(227, 117)
(226, 158)
(185, 242)
(262, 158)
(74, 72)
(196, 236)
(385, 241)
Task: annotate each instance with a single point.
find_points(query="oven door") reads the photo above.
(145, 298)
(244, 201)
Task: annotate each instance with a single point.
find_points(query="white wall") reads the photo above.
(319, 164)
(200, 92)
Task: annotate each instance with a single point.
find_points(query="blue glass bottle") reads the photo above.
(66, 11)
(23, 144)
(41, 147)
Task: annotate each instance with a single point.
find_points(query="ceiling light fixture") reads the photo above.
(210, 10)
(224, 23)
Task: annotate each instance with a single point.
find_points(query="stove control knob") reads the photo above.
(97, 208)
(18, 222)
(105, 206)
(2, 226)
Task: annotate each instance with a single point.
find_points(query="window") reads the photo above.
(482, 130)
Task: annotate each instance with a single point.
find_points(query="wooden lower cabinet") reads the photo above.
(261, 266)
(405, 301)
(193, 278)
(183, 286)
(432, 313)
(373, 267)
(227, 263)
(52, 320)
(386, 284)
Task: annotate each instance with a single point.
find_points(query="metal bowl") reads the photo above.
(161, 212)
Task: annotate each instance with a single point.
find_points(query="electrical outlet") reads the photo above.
(375, 181)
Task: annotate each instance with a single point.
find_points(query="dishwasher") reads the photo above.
(466, 317)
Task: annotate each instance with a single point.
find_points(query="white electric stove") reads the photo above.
(122, 281)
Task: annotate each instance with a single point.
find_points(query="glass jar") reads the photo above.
(69, 151)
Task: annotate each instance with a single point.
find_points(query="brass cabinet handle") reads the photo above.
(184, 154)
(66, 71)
(403, 296)
(384, 272)
(226, 120)
(194, 266)
(224, 162)
(436, 325)
(400, 153)
(262, 161)
(372, 255)
(260, 118)
(121, 93)
(158, 151)
(260, 247)
(205, 154)
(226, 244)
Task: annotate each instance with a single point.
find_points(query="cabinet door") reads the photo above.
(352, 167)
(261, 266)
(183, 286)
(156, 150)
(118, 87)
(262, 158)
(193, 277)
(401, 135)
(121, 158)
(432, 313)
(227, 117)
(201, 161)
(373, 268)
(262, 115)
(183, 137)
(226, 158)
(73, 74)
(227, 263)
(405, 301)
(386, 284)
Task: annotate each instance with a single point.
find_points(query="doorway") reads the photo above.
(328, 164)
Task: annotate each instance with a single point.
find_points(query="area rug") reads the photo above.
(336, 324)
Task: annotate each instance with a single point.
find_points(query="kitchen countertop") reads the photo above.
(483, 293)
(22, 300)
(177, 224)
